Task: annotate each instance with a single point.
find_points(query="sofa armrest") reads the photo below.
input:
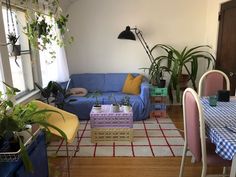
(144, 93)
(65, 85)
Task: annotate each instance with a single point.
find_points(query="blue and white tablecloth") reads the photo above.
(221, 126)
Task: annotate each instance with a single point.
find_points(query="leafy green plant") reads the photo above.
(113, 98)
(125, 101)
(54, 93)
(187, 59)
(14, 118)
(43, 17)
(96, 94)
(12, 39)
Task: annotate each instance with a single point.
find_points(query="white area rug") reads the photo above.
(154, 137)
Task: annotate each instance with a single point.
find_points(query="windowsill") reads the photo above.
(32, 95)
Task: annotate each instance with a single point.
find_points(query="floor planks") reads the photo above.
(130, 166)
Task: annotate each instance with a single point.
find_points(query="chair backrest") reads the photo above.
(194, 127)
(69, 123)
(211, 82)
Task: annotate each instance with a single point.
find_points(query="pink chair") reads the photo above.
(194, 135)
(211, 82)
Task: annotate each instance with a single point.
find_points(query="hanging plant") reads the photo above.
(43, 23)
(13, 48)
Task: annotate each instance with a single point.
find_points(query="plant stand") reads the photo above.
(158, 98)
(14, 156)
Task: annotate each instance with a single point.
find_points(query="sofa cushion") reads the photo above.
(92, 82)
(114, 82)
(132, 84)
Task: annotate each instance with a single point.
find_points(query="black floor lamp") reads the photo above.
(128, 34)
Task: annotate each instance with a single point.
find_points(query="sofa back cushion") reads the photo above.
(114, 82)
(104, 82)
(89, 81)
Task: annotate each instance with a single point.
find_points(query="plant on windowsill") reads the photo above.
(15, 119)
(115, 106)
(125, 102)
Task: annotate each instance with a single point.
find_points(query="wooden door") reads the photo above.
(226, 49)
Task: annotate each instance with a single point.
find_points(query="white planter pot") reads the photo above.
(97, 109)
(25, 134)
(127, 109)
(115, 108)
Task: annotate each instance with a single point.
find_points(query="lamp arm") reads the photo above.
(144, 43)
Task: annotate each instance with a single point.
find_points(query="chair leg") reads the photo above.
(224, 171)
(193, 160)
(68, 160)
(183, 160)
(204, 170)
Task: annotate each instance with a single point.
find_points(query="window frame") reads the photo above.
(5, 64)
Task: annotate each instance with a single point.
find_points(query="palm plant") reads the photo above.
(186, 59)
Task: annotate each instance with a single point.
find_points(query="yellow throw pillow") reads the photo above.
(132, 84)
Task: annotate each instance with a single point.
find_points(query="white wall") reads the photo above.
(95, 24)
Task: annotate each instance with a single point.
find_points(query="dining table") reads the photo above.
(220, 123)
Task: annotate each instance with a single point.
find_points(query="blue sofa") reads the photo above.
(106, 84)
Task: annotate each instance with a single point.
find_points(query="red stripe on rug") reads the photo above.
(114, 154)
(165, 138)
(81, 137)
(95, 148)
(149, 142)
(132, 148)
(60, 145)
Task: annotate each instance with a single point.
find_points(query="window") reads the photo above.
(21, 67)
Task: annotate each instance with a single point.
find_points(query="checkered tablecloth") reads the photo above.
(220, 124)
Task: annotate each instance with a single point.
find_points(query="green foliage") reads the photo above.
(186, 59)
(56, 93)
(113, 98)
(125, 101)
(41, 23)
(96, 94)
(12, 39)
(14, 118)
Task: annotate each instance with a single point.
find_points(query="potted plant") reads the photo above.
(41, 28)
(115, 107)
(184, 60)
(54, 93)
(125, 102)
(16, 118)
(14, 49)
(97, 107)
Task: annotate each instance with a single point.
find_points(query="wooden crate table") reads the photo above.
(111, 126)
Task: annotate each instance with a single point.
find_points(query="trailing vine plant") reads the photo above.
(44, 18)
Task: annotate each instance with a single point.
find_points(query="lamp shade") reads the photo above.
(127, 34)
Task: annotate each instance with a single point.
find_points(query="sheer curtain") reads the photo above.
(54, 69)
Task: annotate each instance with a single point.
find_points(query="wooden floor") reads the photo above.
(130, 166)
